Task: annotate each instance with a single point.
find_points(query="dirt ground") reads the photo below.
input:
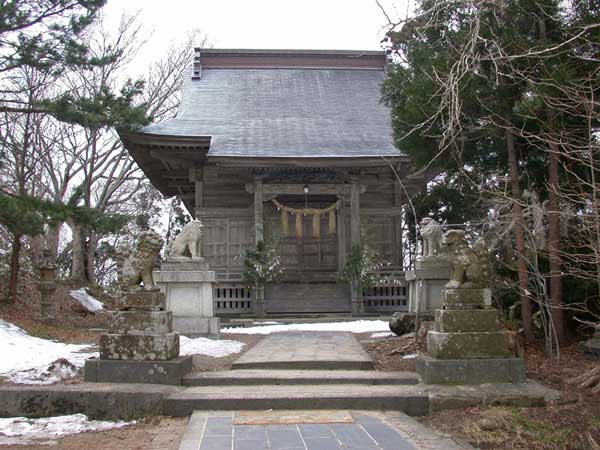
(571, 423)
(72, 323)
(388, 353)
(156, 433)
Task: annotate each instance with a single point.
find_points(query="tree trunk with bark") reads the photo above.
(78, 273)
(526, 303)
(90, 250)
(555, 262)
(15, 266)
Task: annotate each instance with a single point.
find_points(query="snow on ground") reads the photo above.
(24, 431)
(87, 301)
(383, 334)
(356, 326)
(30, 360)
(209, 347)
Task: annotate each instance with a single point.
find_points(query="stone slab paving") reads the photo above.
(220, 430)
(325, 350)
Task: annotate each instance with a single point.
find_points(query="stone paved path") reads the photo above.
(219, 432)
(216, 430)
(306, 350)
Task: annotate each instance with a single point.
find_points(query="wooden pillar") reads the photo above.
(258, 300)
(342, 235)
(356, 292)
(355, 213)
(199, 194)
(258, 211)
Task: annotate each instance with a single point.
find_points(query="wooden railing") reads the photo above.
(389, 294)
(232, 299)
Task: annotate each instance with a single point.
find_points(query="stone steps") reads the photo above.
(308, 364)
(411, 400)
(298, 377)
(306, 350)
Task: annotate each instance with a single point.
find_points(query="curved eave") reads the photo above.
(166, 158)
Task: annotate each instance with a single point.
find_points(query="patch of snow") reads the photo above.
(209, 347)
(30, 360)
(24, 431)
(383, 334)
(356, 326)
(87, 301)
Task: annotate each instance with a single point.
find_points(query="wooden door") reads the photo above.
(225, 243)
(305, 258)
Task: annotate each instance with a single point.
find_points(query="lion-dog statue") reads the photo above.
(134, 266)
(432, 234)
(188, 241)
(471, 267)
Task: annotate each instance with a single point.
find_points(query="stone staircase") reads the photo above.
(301, 370)
(405, 398)
(299, 377)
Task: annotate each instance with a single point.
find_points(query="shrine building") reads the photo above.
(293, 147)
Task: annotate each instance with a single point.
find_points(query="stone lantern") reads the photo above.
(46, 284)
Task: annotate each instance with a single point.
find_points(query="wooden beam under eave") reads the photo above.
(313, 189)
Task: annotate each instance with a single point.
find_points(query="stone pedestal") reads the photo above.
(188, 286)
(140, 346)
(426, 282)
(591, 347)
(467, 345)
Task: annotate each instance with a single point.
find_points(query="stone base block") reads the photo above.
(145, 301)
(435, 263)
(139, 347)
(183, 264)
(198, 326)
(467, 345)
(470, 371)
(152, 372)
(466, 320)
(469, 298)
(591, 347)
(122, 322)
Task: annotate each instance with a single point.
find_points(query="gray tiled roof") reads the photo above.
(285, 113)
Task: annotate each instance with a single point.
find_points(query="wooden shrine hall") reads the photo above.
(292, 147)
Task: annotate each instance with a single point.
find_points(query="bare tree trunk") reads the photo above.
(554, 257)
(36, 244)
(15, 266)
(90, 249)
(78, 265)
(526, 303)
(53, 238)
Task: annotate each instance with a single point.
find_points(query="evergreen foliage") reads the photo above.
(263, 265)
(361, 265)
(26, 215)
(469, 80)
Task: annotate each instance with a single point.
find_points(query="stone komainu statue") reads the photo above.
(431, 232)
(134, 266)
(471, 267)
(188, 242)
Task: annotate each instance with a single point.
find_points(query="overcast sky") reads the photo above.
(293, 24)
